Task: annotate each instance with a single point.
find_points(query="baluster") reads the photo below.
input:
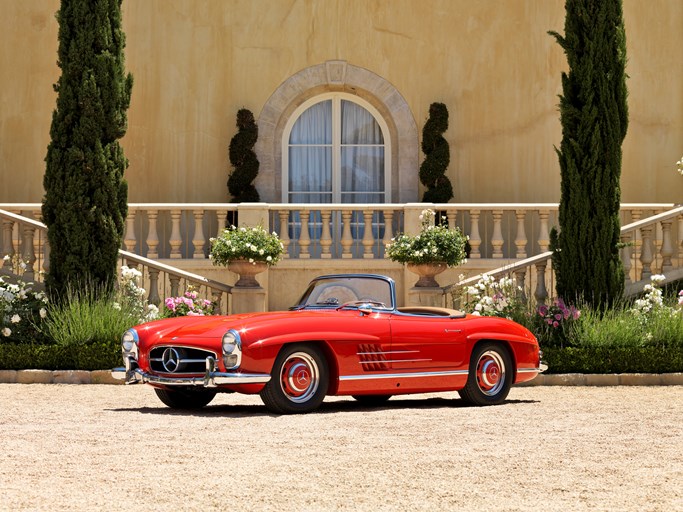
(217, 298)
(521, 240)
(326, 236)
(637, 241)
(667, 249)
(520, 282)
(198, 239)
(346, 240)
(37, 249)
(129, 240)
(497, 237)
(304, 237)
(475, 238)
(153, 297)
(221, 221)
(646, 253)
(8, 242)
(451, 216)
(152, 236)
(543, 232)
(388, 226)
(626, 255)
(284, 230)
(175, 285)
(175, 241)
(368, 240)
(28, 255)
(541, 293)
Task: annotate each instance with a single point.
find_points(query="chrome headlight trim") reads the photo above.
(231, 346)
(129, 343)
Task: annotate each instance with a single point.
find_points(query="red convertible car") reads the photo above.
(344, 337)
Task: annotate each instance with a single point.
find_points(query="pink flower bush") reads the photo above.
(189, 304)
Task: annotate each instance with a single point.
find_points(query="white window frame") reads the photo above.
(336, 98)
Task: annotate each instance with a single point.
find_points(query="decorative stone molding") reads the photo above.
(338, 75)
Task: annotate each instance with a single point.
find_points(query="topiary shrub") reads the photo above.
(437, 156)
(243, 159)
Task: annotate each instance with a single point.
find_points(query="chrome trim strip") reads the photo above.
(386, 353)
(404, 375)
(541, 368)
(396, 361)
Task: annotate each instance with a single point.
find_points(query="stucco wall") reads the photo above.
(196, 62)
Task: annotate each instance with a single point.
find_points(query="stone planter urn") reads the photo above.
(427, 271)
(247, 272)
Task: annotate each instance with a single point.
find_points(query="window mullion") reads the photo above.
(336, 149)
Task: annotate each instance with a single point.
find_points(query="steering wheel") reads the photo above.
(372, 302)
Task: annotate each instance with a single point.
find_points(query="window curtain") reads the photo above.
(310, 156)
(362, 156)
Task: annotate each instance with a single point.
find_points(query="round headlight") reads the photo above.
(229, 342)
(232, 350)
(128, 340)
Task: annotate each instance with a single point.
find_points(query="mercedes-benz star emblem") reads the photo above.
(170, 359)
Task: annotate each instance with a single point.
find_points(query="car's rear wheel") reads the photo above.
(185, 398)
(372, 400)
(490, 375)
(299, 380)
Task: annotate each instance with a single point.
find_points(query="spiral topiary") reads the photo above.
(243, 159)
(437, 156)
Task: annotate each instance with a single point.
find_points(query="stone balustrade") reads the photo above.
(499, 234)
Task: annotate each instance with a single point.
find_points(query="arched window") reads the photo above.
(336, 149)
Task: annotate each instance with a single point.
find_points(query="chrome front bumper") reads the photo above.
(132, 374)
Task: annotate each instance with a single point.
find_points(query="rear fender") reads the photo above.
(478, 338)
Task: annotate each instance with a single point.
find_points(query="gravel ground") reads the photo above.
(99, 447)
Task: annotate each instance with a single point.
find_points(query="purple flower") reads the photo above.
(543, 310)
(556, 324)
(558, 316)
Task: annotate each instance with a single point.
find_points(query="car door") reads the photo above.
(427, 343)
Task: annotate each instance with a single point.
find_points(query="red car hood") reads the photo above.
(202, 326)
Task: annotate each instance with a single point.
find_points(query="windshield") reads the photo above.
(335, 291)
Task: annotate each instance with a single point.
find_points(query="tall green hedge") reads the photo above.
(594, 117)
(85, 203)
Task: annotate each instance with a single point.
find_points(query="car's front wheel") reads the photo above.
(185, 398)
(490, 375)
(299, 380)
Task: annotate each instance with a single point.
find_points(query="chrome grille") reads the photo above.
(176, 359)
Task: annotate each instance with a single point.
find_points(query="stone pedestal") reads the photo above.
(426, 296)
(248, 300)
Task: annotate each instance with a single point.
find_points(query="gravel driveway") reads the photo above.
(99, 447)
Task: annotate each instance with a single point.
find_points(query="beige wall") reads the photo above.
(195, 62)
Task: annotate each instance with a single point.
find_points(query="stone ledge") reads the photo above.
(609, 379)
(566, 379)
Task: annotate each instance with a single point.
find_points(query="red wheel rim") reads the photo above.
(490, 373)
(299, 377)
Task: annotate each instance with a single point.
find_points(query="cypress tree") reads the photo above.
(85, 202)
(243, 159)
(437, 156)
(594, 117)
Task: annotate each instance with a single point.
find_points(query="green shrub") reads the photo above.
(96, 356)
(89, 317)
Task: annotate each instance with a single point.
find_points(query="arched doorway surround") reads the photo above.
(338, 76)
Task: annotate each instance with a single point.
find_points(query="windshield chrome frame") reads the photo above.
(311, 286)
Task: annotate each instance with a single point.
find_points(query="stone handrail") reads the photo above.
(497, 231)
(32, 246)
(646, 243)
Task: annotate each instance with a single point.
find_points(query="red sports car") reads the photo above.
(344, 337)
